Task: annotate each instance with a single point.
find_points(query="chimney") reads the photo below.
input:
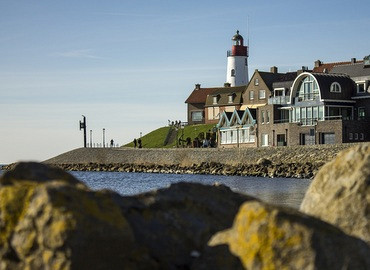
(274, 69)
(226, 84)
(318, 63)
(353, 60)
(325, 70)
(197, 86)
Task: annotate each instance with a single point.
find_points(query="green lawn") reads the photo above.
(156, 138)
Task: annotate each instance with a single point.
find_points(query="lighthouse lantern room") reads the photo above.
(237, 62)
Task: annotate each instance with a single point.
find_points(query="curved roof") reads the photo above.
(237, 36)
(324, 82)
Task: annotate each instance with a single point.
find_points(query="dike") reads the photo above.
(293, 161)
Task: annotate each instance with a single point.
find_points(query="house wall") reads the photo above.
(230, 108)
(363, 103)
(195, 107)
(255, 88)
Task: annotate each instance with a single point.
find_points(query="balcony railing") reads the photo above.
(307, 97)
(280, 100)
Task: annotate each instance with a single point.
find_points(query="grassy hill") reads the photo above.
(156, 138)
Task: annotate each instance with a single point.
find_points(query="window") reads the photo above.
(360, 87)
(231, 98)
(361, 136)
(268, 117)
(262, 117)
(308, 89)
(233, 73)
(361, 113)
(256, 82)
(197, 116)
(335, 87)
(251, 95)
(215, 100)
(262, 94)
(350, 136)
(265, 139)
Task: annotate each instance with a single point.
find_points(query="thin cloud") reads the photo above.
(84, 53)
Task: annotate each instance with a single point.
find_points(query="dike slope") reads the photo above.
(190, 156)
(294, 161)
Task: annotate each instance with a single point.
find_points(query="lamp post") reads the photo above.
(91, 138)
(83, 126)
(103, 137)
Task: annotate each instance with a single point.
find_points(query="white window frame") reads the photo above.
(231, 98)
(261, 94)
(197, 112)
(251, 95)
(335, 87)
(215, 100)
(256, 81)
(358, 88)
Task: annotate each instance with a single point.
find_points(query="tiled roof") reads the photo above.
(269, 78)
(200, 96)
(224, 93)
(330, 66)
(353, 70)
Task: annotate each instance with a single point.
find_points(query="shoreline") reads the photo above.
(293, 170)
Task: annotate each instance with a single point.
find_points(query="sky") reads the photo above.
(128, 66)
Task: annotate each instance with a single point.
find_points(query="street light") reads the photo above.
(83, 126)
(103, 137)
(90, 137)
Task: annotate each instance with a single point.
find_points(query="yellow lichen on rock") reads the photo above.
(259, 237)
(13, 205)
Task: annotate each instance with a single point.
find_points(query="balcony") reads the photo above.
(279, 100)
(307, 97)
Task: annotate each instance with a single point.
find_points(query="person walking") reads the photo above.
(135, 142)
(139, 142)
(111, 143)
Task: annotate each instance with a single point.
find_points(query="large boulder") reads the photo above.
(340, 192)
(48, 220)
(268, 237)
(176, 223)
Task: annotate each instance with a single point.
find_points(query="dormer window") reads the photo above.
(335, 87)
(215, 100)
(231, 98)
(360, 87)
(256, 82)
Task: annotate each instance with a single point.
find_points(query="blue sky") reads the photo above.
(129, 65)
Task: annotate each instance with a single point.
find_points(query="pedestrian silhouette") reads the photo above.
(135, 142)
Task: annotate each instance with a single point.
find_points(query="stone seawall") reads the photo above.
(295, 161)
(190, 156)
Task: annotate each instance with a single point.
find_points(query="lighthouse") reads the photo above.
(237, 62)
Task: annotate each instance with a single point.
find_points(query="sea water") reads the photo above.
(280, 191)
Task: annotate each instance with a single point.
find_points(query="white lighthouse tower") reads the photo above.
(237, 62)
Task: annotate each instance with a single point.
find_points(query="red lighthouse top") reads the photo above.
(238, 48)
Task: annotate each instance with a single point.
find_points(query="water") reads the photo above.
(281, 191)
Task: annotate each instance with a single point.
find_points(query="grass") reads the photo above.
(155, 139)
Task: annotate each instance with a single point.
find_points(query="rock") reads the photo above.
(48, 220)
(175, 221)
(340, 192)
(264, 162)
(268, 237)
